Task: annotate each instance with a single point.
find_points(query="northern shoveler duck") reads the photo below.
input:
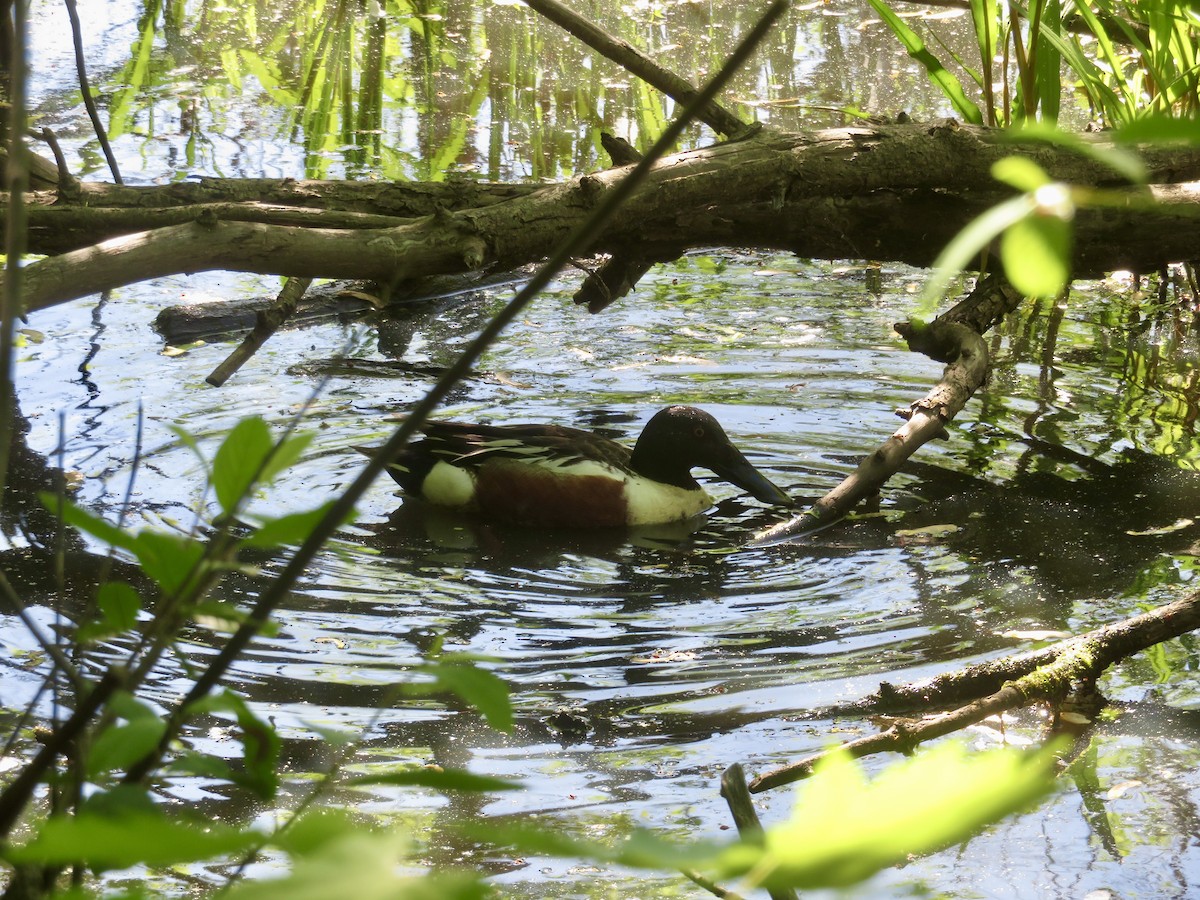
(553, 475)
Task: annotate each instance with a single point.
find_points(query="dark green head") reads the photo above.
(679, 438)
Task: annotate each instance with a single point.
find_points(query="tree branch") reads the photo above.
(637, 63)
(946, 339)
(1079, 659)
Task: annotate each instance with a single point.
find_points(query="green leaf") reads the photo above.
(290, 529)
(1036, 252)
(912, 42)
(641, 849)
(119, 604)
(1020, 172)
(260, 743)
(479, 688)
(119, 746)
(106, 842)
(966, 246)
(120, 800)
(844, 829)
(1049, 62)
(1159, 129)
(248, 457)
(362, 865)
(189, 762)
(984, 19)
(1120, 160)
(316, 829)
(290, 449)
(127, 706)
(1129, 98)
(239, 461)
(188, 440)
(167, 558)
(439, 779)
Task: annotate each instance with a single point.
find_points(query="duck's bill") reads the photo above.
(739, 471)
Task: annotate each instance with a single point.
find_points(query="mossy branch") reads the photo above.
(1013, 682)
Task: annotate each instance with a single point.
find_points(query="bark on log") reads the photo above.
(895, 192)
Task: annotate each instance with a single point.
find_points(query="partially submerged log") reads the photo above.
(188, 322)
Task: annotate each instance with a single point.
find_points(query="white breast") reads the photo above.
(448, 485)
(651, 502)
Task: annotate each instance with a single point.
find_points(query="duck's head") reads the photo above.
(679, 438)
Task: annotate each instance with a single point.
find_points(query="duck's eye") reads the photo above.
(698, 431)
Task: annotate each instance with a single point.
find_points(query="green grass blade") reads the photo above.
(1049, 62)
(1113, 59)
(937, 73)
(985, 19)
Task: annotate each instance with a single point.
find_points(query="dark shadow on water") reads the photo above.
(1080, 532)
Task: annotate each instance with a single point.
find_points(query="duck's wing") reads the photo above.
(556, 445)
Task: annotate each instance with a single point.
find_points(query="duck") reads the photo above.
(553, 475)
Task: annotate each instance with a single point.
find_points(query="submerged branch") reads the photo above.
(948, 340)
(745, 817)
(1012, 682)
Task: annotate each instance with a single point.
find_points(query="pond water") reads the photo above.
(642, 664)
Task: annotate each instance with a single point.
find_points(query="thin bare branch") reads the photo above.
(637, 63)
(267, 324)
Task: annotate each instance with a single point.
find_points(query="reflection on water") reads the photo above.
(460, 87)
(643, 663)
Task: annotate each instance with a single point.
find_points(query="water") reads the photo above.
(643, 664)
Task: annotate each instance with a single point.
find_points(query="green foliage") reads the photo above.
(639, 849)
(1124, 163)
(170, 559)
(292, 528)
(1148, 51)
(843, 828)
(260, 743)
(120, 840)
(360, 864)
(1160, 129)
(119, 746)
(1036, 249)
(1034, 227)
(1137, 58)
(249, 457)
(118, 604)
(120, 825)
